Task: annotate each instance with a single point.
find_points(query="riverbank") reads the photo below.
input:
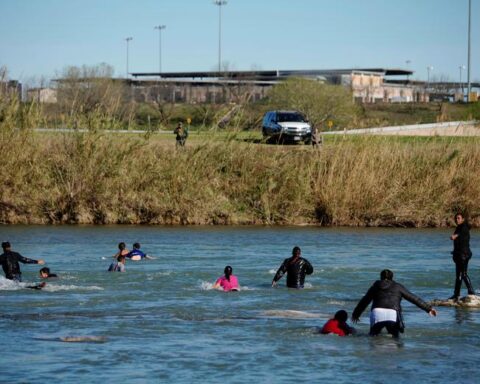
(95, 178)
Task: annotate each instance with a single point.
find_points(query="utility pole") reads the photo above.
(408, 68)
(429, 68)
(469, 87)
(461, 68)
(220, 3)
(128, 39)
(160, 27)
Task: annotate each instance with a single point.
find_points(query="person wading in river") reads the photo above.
(296, 267)
(9, 261)
(386, 295)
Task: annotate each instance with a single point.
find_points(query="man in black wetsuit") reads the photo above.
(296, 268)
(386, 311)
(461, 255)
(9, 261)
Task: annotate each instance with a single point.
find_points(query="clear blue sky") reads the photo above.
(41, 37)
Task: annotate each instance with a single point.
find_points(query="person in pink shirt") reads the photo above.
(228, 282)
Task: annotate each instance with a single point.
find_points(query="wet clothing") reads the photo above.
(227, 285)
(461, 256)
(116, 267)
(337, 327)
(9, 261)
(136, 252)
(296, 269)
(388, 294)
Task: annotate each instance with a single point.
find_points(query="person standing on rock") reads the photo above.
(461, 255)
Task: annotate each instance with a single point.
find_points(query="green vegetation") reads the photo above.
(320, 102)
(99, 178)
(223, 175)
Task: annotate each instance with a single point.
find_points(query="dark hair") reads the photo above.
(228, 272)
(45, 270)
(121, 246)
(341, 316)
(6, 245)
(296, 252)
(136, 245)
(386, 274)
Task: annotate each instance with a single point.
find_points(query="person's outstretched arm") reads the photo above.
(362, 304)
(26, 260)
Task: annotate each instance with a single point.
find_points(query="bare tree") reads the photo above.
(89, 97)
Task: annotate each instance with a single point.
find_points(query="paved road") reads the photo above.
(452, 128)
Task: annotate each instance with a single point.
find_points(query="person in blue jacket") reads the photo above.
(136, 254)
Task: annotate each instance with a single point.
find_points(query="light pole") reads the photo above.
(220, 3)
(408, 67)
(160, 27)
(469, 87)
(128, 39)
(429, 68)
(461, 68)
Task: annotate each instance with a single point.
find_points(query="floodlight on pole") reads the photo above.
(160, 28)
(220, 3)
(128, 39)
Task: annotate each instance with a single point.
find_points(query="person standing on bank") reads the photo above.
(461, 255)
(296, 267)
(386, 295)
(9, 261)
(182, 135)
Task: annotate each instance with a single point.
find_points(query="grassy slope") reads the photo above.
(234, 179)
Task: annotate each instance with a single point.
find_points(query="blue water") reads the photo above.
(162, 321)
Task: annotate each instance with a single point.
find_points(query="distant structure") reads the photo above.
(42, 95)
(11, 88)
(369, 85)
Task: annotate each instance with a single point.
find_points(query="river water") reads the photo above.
(161, 320)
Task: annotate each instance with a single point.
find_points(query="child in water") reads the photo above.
(228, 281)
(118, 266)
(136, 254)
(45, 273)
(122, 250)
(338, 325)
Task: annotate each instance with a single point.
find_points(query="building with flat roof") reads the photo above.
(368, 85)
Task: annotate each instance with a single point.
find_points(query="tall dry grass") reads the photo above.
(99, 178)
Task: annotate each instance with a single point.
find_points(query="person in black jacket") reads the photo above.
(461, 255)
(9, 261)
(386, 312)
(296, 267)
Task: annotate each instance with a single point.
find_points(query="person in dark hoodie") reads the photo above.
(461, 255)
(386, 312)
(9, 261)
(296, 267)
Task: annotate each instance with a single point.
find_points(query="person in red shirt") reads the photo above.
(338, 325)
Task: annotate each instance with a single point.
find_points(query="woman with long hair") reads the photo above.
(228, 282)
